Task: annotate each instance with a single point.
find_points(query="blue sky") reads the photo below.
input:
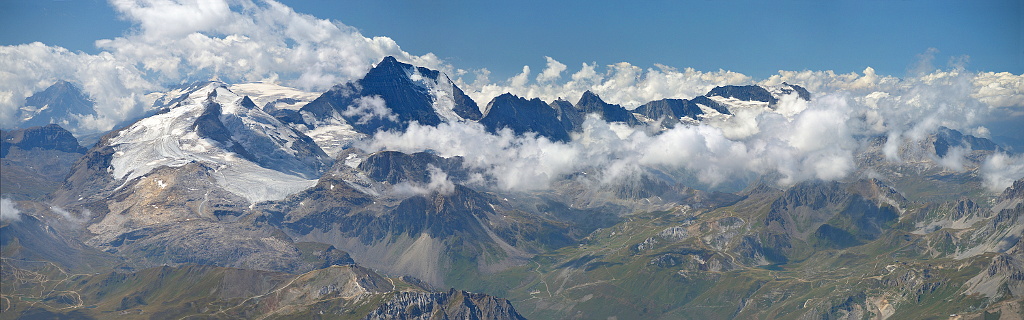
(756, 38)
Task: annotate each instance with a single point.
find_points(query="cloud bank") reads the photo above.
(180, 41)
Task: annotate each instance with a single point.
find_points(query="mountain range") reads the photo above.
(256, 200)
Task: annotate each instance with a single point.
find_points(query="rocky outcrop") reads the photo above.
(454, 304)
(48, 137)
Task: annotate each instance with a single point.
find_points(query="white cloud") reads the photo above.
(181, 41)
(552, 72)
(71, 217)
(822, 147)
(369, 108)
(439, 183)
(999, 90)
(8, 212)
(115, 85)
(620, 83)
(1001, 170)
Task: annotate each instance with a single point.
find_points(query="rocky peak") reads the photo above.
(62, 102)
(787, 88)
(671, 110)
(591, 103)
(454, 304)
(390, 97)
(395, 167)
(745, 93)
(946, 139)
(571, 118)
(522, 116)
(1016, 191)
(48, 137)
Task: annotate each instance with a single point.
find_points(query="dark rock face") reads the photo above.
(88, 178)
(34, 161)
(47, 137)
(522, 116)
(591, 103)
(670, 110)
(443, 215)
(947, 138)
(571, 118)
(746, 93)
(710, 104)
(454, 304)
(394, 167)
(304, 158)
(800, 91)
(61, 103)
(1016, 191)
(406, 99)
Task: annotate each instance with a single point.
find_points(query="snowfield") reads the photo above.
(276, 160)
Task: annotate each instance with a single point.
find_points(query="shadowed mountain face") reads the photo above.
(670, 110)
(745, 93)
(392, 95)
(395, 167)
(946, 139)
(824, 214)
(523, 116)
(34, 161)
(570, 118)
(591, 103)
(48, 137)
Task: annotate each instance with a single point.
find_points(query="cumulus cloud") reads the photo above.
(620, 83)
(1000, 90)
(8, 212)
(552, 72)
(1001, 170)
(369, 108)
(116, 86)
(181, 41)
(821, 147)
(798, 140)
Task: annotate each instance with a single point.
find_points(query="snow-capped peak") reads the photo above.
(258, 157)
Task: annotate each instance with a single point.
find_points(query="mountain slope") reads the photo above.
(34, 161)
(167, 188)
(411, 214)
(337, 292)
(692, 263)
